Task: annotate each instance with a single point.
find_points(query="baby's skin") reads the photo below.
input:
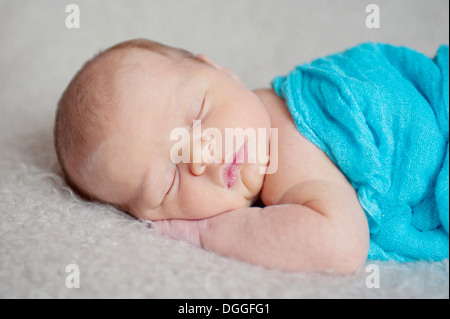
(312, 219)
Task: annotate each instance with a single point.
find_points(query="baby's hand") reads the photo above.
(181, 229)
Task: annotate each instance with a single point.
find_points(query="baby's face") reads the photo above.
(136, 167)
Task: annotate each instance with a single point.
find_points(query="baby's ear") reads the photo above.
(207, 60)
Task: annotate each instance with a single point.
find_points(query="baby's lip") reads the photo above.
(229, 169)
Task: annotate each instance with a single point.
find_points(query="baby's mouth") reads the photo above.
(230, 170)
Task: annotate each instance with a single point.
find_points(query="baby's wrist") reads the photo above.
(202, 226)
(179, 229)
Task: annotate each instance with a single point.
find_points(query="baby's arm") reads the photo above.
(318, 226)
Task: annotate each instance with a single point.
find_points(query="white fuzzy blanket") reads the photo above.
(44, 227)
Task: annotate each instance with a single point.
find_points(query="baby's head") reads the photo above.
(127, 117)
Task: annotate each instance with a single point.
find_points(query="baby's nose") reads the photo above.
(199, 164)
(198, 168)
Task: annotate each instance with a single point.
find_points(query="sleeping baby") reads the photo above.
(173, 138)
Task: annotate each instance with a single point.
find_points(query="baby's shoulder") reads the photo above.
(297, 159)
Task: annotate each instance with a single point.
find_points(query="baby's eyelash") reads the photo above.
(173, 181)
(201, 108)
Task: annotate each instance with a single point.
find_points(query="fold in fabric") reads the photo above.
(381, 113)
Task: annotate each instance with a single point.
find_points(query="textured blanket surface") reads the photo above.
(380, 113)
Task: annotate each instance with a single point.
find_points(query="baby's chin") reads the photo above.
(252, 180)
(209, 210)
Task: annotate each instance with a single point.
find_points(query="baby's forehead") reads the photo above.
(122, 71)
(126, 56)
(114, 74)
(136, 84)
(108, 70)
(130, 60)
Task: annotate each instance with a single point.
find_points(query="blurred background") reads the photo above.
(257, 39)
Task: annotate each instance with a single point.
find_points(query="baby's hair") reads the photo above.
(81, 108)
